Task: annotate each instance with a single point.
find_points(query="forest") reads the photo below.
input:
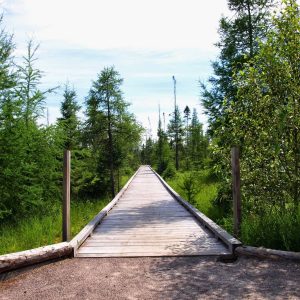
(251, 101)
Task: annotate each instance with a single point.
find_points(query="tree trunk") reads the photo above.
(110, 148)
(296, 170)
(250, 29)
(176, 153)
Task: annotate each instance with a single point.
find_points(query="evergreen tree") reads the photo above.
(176, 135)
(69, 120)
(238, 43)
(148, 152)
(187, 113)
(198, 142)
(33, 99)
(162, 149)
(110, 126)
(28, 176)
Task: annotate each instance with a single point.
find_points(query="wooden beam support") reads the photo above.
(66, 196)
(236, 190)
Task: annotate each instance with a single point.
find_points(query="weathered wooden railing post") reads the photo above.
(66, 196)
(236, 189)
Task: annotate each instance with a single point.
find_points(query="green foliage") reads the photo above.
(190, 187)
(111, 131)
(176, 135)
(163, 153)
(266, 119)
(69, 121)
(197, 143)
(255, 106)
(31, 155)
(207, 188)
(28, 152)
(238, 44)
(274, 230)
(148, 152)
(169, 171)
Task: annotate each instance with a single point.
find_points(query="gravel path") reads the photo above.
(155, 278)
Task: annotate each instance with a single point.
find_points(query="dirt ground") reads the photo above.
(155, 278)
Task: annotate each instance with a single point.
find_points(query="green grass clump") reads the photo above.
(39, 231)
(207, 190)
(273, 230)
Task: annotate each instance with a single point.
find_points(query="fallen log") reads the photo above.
(29, 257)
(267, 253)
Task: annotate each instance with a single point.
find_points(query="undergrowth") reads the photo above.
(272, 230)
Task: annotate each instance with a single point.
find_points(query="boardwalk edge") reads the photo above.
(230, 241)
(88, 229)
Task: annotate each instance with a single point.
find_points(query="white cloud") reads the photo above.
(147, 41)
(102, 24)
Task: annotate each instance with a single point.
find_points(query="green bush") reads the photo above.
(190, 186)
(169, 172)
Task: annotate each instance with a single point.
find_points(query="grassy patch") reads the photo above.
(206, 192)
(44, 230)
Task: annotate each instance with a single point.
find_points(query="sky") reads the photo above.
(148, 42)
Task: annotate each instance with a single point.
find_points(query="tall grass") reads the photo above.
(44, 230)
(273, 230)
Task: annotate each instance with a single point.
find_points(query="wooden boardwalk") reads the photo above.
(148, 221)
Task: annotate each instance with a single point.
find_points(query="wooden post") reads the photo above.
(236, 189)
(66, 196)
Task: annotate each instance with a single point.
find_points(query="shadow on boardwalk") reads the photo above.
(156, 278)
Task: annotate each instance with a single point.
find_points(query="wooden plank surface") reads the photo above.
(148, 221)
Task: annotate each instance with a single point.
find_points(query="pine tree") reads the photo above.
(28, 176)
(33, 99)
(238, 44)
(187, 113)
(162, 148)
(110, 127)
(198, 142)
(176, 135)
(69, 120)
(148, 152)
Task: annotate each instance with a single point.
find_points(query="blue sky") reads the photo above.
(147, 41)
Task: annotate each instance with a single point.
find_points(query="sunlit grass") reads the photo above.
(44, 230)
(207, 192)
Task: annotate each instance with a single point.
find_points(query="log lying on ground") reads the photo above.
(29, 257)
(267, 253)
